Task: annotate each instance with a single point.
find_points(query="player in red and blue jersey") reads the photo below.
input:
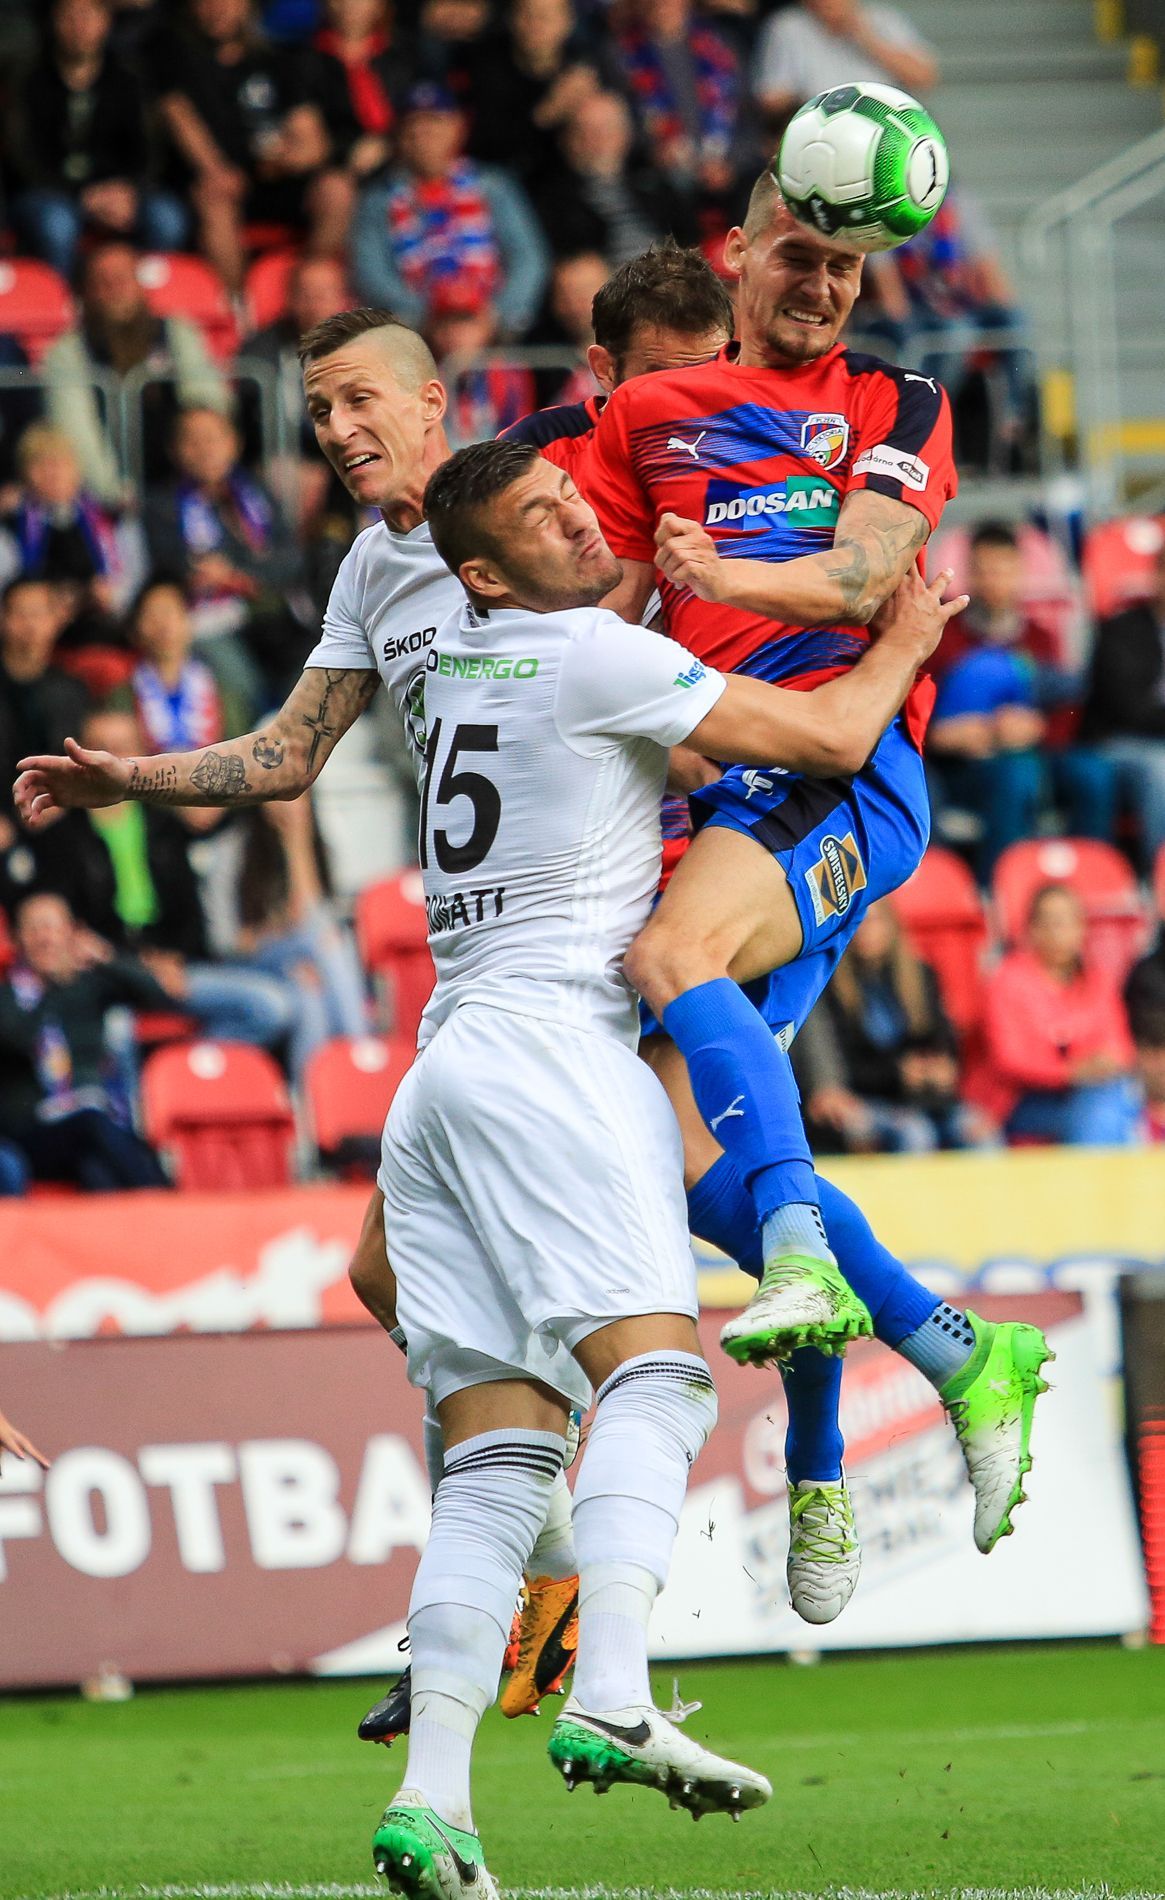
(782, 493)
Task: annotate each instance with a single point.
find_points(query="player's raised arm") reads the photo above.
(836, 727)
(877, 542)
(280, 761)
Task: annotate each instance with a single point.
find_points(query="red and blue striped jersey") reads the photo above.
(763, 458)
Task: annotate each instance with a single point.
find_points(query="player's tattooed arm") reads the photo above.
(877, 541)
(279, 762)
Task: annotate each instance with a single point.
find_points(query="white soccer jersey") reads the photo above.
(545, 762)
(391, 594)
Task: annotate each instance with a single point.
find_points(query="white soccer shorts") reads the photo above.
(533, 1192)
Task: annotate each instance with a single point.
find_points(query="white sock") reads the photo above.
(652, 1419)
(433, 1440)
(553, 1554)
(616, 1600)
(487, 1511)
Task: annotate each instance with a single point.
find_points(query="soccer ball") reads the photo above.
(866, 165)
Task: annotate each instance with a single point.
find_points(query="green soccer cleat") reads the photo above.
(825, 1558)
(990, 1402)
(641, 1746)
(801, 1301)
(421, 1855)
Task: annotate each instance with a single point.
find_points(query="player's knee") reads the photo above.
(661, 965)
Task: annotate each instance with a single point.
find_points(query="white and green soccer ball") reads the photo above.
(866, 165)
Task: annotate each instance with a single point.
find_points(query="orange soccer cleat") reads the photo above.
(547, 1641)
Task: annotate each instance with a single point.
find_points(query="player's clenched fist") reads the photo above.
(50, 785)
(687, 557)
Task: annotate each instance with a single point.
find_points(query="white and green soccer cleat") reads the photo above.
(640, 1745)
(421, 1855)
(802, 1300)
(825, 1558)
(990, 1402)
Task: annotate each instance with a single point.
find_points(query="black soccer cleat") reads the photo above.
(390, 1717)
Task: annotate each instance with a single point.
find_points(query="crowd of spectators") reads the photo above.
(480, 167)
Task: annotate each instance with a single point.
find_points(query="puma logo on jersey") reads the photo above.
(732, 1110)
(912, 376)
(689, 448)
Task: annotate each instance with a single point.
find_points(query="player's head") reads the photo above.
(796, 287)
(516, 532)
(664, 309)
(376, 403)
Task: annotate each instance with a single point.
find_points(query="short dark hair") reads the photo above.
(993, 534)
(665, 285)
(461, 488)
(344, 327)
(763, 201)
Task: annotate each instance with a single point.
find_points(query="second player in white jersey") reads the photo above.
(547, 742)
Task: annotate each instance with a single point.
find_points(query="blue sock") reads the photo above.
(744, 1089)
(899, 1304)
(720, 1210)
(813, 1443)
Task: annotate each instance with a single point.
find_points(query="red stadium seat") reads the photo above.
(266, 288)
(1118, 561)
(350, 1083)
(181, 286)
(223, 1112)
(942, 914)
(1102, 879)
(35, 304)
(392, 934)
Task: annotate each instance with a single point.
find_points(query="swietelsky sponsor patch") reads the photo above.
(836, 878)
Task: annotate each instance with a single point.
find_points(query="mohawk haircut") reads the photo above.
(668, 286)
(412, 359)
(460, 491)
(763, 202)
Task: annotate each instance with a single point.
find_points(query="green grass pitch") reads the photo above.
(996, 1772)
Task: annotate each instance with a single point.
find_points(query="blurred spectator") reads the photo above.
(941, 292)
(1058, 1053)
(357, 78)
(78, 149)
(1124, 708)
(40, 707)
(19, 407)
(440, 218)
(607, 201)
(812, 46)
(484, 398)
(450, 36)
(316, 288)
(119, 333)
(222, 532)
(877, 1061)
(688, 92)
(525, 84)
(179, 703)
(252, 139)
(56, 1099)
(1003, 695)
(1151, 1076)
(130, 880)
(286, 926)
(55, 532)
(574, 284)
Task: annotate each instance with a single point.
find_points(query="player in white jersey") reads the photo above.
(532, 1168)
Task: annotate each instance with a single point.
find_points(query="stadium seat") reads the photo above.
(222, 1111)
(1118, 560)
(942, 914)
(101, 670)
(392, 934)
(349, 1084)
(266, 287)
(1101, 878)
(35, 304)
(181, 286)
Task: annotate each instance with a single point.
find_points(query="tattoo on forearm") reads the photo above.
(867, 570)
(850, 568)
(268, 754)
(220, 776)
(318, 723)
(158, 786)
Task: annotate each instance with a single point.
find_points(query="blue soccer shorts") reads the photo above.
(842, 843)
